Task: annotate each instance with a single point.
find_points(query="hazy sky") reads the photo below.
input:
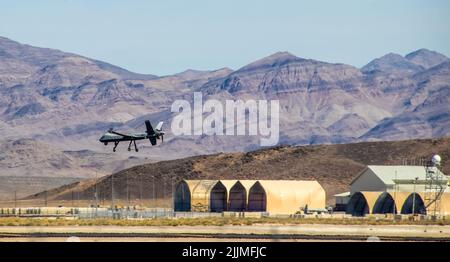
(165, 37)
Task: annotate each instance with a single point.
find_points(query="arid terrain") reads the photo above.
(55, 105)
(334, 166)
(301, 232)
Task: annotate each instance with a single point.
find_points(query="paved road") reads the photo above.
(310, 231)
(159, 239)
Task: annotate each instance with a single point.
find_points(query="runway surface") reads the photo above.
(307, 232)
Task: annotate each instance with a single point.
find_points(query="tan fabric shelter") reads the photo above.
(205, 196)
(385, 204)
(445, 204)
(288, 196)
(238, 195)
(228, 184)
(416, 201)
(399, 199)
(362, 203)
(247, 184)
(404, 202)
(273, 196)
(257, 198)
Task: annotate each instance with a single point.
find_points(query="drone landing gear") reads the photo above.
(135, 147)
(115, 145)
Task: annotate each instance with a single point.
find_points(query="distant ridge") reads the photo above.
(64, 102)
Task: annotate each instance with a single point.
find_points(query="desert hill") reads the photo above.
(334, 166)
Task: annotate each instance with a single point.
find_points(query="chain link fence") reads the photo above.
(106, 213)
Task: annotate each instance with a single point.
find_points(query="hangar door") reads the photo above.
(237, 198)
(357, 205)
(182, 198)
(257, 199)
(218, 198)
(385, 205)
(414, 205)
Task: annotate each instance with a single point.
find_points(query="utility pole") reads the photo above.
(78, 198)
(95, 191)
(173, 193)
(153, 191)
(395, 196)
(140, 190)
(163, 188)
(15, 198)
(414, 197)
(128, 195)
(45, 198)
(112, 191)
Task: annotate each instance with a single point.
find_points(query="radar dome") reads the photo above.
(436, 159)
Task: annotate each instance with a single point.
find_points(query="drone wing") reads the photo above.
(125, 136)
(152, 140)
(149, 128)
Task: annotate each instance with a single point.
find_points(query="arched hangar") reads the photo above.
(200, 196)
(272, 196)
(365, 203)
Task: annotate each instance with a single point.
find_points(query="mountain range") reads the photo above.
(55, 105)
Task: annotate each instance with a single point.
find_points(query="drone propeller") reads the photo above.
(159, 130)
(160, 136)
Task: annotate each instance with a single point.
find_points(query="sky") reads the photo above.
(167, 37)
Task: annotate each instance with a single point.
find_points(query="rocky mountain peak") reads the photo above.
(282, 55)
(274, 60)
(426, 58)
(192, 73)
(392, 63)
(28, 58)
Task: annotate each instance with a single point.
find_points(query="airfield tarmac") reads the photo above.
(165, 239)
(229, 233)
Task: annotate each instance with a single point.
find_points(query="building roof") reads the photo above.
(288, 196)
(228, 183)
(345, 194)
(388, 173)
(201, 186)
(247, 183)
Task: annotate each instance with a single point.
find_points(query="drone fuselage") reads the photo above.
(151, 134)
(111, 137)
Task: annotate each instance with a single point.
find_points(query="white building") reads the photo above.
(381, 179)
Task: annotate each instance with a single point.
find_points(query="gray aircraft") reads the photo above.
(151, 134)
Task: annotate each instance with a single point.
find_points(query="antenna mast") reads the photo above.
(435, 185)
